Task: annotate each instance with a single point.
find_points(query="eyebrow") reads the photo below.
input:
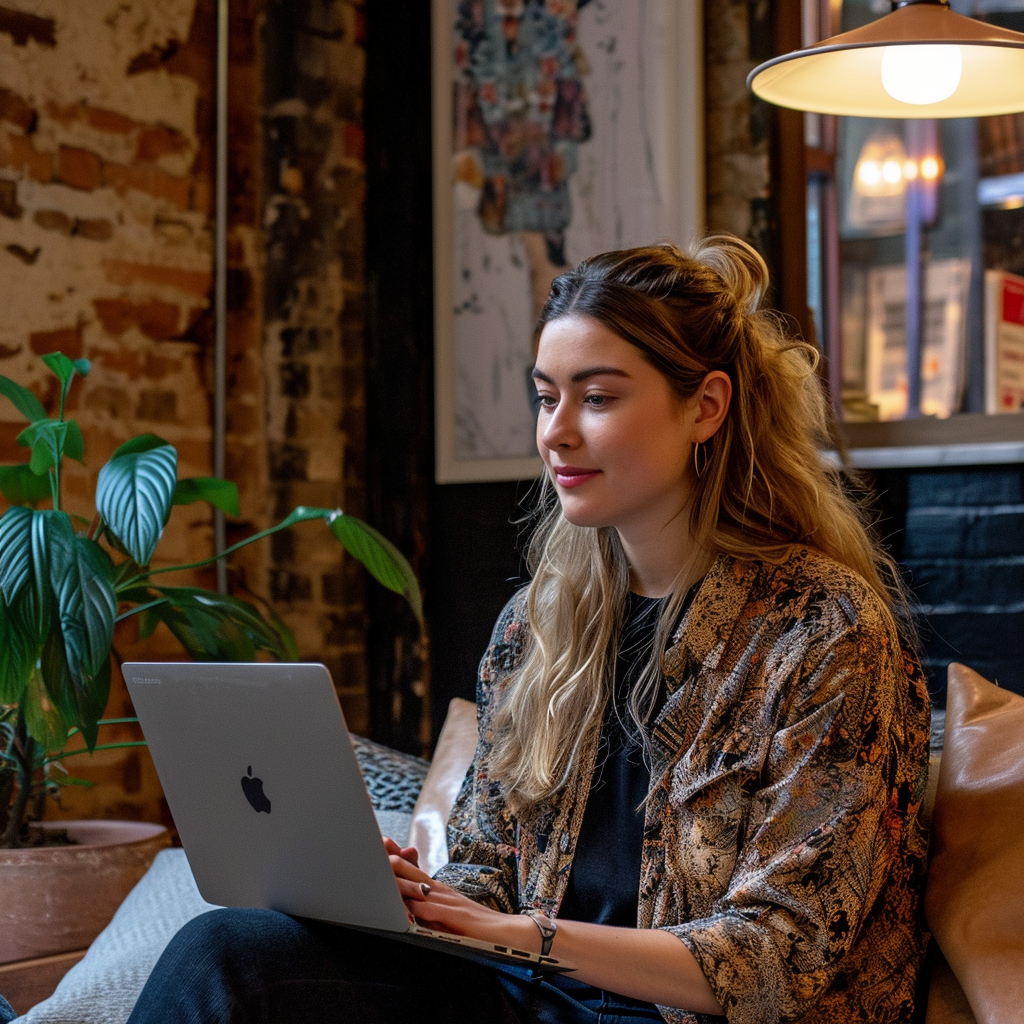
(593, 371)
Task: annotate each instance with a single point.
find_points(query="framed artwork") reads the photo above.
(562, 128)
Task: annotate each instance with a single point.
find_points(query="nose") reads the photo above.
(557, 427)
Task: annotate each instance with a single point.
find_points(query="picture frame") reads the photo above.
(561, 128)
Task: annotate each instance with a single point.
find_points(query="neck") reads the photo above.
(657, 569)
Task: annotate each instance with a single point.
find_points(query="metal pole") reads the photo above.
(220, 288)
(918, 135)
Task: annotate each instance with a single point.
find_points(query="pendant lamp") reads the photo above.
(920, 61)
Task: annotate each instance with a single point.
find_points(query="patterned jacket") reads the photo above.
(781, 842)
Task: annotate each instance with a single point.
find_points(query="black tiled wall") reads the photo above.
(962, 544)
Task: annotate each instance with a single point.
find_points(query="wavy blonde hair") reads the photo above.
(765, 488)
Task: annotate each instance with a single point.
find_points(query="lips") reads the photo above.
(573, 476)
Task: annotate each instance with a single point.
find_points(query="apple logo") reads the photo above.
(253, 789)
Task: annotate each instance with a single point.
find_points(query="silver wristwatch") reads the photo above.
(547, 925)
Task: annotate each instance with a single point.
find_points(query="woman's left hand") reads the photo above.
(438, 906)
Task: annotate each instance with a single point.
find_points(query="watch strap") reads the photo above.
(547, 927)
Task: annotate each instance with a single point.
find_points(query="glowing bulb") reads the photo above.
(891, 171)
(909, 170)
(869, 173)
(929, 168)
(921, 74)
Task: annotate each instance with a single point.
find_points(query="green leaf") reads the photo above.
(135, 491)
(17, 656)
(24, 401)
(219, 627)
(382, 559)
(81, 706)
(45, 723)
(20, 486)
(74, 443)
(62, 367)
(221, 494)
(80, 574)
(47, 439)
(15, 551)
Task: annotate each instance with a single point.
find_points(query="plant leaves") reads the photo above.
(62, 367)
(218, 627)
(382, 559)
(15, 551)
(80, 573)
(24, 401)
(20, 486)
(74, 443)
(221, 494)
(135, 492)
(17, 656)
(45, 723)
(47, 439)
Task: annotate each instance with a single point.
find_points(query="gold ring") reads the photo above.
(425, 889)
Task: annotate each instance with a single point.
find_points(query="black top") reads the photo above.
(604, 883)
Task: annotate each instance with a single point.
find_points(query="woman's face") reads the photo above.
(616, 440)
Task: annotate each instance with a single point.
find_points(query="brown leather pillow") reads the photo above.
(452, 757)
(974, 901)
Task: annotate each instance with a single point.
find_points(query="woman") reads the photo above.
(702, 734)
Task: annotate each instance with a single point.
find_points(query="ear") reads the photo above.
(713, 398)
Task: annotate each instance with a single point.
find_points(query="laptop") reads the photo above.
(260, 776)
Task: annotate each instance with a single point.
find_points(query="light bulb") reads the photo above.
(921, 74)
(930, 168)
(909, 170)
(869, 173)
(891, 171)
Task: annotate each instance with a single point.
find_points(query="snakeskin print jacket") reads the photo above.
(781, 844)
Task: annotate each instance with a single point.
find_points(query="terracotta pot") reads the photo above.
(54, 899)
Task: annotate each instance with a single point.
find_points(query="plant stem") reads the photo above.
(23, 753)
(101, 746)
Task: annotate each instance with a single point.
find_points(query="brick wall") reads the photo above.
(963, 544)
(314, 312)
(106, 204)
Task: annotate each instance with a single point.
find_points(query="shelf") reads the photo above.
(965, 440)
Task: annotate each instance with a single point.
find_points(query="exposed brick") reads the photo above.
(355, 142)
(983, 486)
(153, 58)
(79, 168)
(23, 254)
(294, 379)
(157, 367)
(109, 400)
(109, 121)
(9, 205)
(54, 220)
(158, 405)
(22, 27)
(196, 282)
(68, 341)
(16, 111)
(154, 318)
(120, 360)
(24, 157)
(95, 229)
(288, 462)
(158, 140)
(289, 586)
(152, 181)
(10, 450)
(964, 533)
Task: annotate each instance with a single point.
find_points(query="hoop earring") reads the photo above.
(700, 459)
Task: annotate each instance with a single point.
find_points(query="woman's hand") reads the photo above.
(440, 907)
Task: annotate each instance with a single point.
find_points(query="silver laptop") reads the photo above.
(268, 799)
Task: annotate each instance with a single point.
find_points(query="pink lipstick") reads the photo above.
(573, 476)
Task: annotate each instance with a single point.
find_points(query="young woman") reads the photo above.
(703, 733)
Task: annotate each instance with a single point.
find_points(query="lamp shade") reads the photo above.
(844, 74)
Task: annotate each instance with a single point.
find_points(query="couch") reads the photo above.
(974, 901)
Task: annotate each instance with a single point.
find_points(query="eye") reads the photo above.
(597, 401)
(545, 400)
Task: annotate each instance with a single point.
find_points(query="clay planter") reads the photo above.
(59, 898)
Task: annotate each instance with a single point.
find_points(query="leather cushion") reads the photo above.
(974, 901)
(452, 757)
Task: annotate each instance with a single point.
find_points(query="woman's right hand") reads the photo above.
(409, 853)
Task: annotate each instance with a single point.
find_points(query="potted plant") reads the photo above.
(65, 581)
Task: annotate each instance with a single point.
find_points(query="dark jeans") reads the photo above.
(6, 1013)
(261, 967)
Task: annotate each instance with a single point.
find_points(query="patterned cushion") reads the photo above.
(394, 779)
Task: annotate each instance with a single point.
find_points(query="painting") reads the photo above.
(562, 128)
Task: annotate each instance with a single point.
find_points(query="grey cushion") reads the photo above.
(103, 987)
